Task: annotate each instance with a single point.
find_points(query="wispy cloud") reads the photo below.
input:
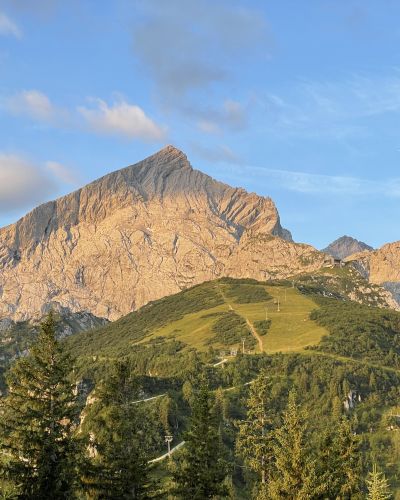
(317, 184)
(8, 27)
(33, 103)
(337, 109)
(121, 118)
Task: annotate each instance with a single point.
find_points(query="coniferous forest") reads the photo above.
(317, 424)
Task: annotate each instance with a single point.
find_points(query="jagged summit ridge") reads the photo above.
(167, 175)
(138, 234)
(345, 246)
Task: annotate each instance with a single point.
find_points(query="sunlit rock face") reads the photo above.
(381, 267)
(139, 234)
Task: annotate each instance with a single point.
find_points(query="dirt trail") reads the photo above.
(255, 335)
(248, 322)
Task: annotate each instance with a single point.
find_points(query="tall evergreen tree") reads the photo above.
(200, 471)
(38, 419)
(378, 486)
(118, 438)
(254, 443)
(340, 459)
(294, 475)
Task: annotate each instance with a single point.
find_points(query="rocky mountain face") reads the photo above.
(381, 267)
(345, 246)
(139, 234)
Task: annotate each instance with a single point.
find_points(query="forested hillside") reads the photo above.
(304, 343)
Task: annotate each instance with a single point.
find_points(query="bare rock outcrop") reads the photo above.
(381, 267)
(139, 234)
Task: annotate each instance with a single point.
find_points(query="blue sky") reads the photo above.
(299, 101)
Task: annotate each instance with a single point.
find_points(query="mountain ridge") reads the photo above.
(345, 246)
(162, 166)
(138, 234)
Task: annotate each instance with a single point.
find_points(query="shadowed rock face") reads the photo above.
(139, 234)
(345, 246)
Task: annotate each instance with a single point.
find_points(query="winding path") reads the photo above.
(255, 335)
(248, 322)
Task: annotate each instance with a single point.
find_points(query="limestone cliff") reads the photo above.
(139, 234)
(381, 267)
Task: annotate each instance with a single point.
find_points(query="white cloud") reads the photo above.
(63, 173)
(25, 184)
(121, 118)
(8, 27)
(22, 183)
(32, 103)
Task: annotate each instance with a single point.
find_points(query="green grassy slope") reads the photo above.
(220, 314)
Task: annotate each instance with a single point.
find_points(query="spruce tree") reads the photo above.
(294, 474)
(345, 460)
(201, 469)
(38, 420)
(117, 431)
(340, 459)
(254, 443)
(378, 486)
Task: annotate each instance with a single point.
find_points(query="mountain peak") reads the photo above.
(345, 246)
(170, 150)
(137, 234)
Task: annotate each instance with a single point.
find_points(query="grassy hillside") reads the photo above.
(221, 314)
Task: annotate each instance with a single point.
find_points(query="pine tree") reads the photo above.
(341, 460)
(201, 469)
(254, 443)
(346, 447)
(378, 487)
(38, 419)
(118, 432)
(295, 473)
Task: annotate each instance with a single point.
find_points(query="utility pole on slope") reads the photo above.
(266, 314)
(243, 341)
(279, 305)
(168, 440)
